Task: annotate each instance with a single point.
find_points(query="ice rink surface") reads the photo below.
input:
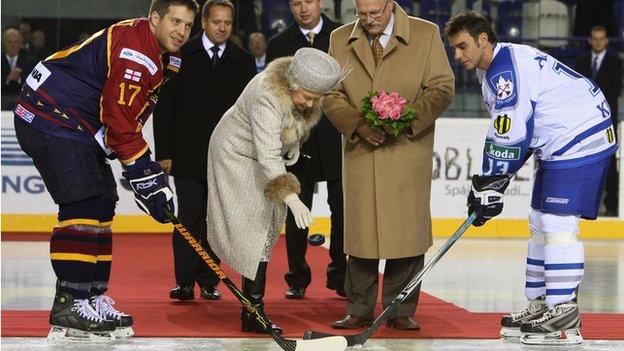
(480, 275)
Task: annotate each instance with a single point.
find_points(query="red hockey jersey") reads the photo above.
(101, 90)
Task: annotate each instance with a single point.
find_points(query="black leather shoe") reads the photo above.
(210, 293)
(403, 323)
(295, 293)
(351, 322)
(339, 288)
(182, 293)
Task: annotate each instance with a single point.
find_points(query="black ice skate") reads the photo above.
(558, 326)
(73, 320)
(510, 324)
(103, 306)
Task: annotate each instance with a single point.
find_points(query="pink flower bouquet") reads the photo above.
(388, 112)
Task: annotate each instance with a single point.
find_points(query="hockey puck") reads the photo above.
(316, 239)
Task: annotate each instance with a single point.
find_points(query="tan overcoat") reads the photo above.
(387, 188)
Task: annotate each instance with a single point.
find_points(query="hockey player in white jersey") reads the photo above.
(541, 107)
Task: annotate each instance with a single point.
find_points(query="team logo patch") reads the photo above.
(502, 124)
(37, 76)
(24, 113)
(504, 85)
(175, 61)
(557, 200)
(610, 135)
(139, 58)
(502, 152)
(132, 75)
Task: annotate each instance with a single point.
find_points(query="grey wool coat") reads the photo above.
(247, 178)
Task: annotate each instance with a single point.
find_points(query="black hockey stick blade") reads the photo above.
(360, 339)
(326, 344)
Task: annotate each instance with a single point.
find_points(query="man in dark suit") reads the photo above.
(16, 67)
(311, 29)
(606, 70)
(213, 74)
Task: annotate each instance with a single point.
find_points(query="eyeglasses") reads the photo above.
(374, 15)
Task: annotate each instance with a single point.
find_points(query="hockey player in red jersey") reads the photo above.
(79, 107)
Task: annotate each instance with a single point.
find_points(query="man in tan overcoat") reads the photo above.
(387, 180)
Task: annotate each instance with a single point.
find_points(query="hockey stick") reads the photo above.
(336, 343)
(360, 339)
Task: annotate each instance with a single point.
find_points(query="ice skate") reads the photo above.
(103, 306)
(74, 321)
(558, 326)
(510, 324)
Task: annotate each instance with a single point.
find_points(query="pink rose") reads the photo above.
(388, 105)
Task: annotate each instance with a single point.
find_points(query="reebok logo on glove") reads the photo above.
(151, 191)
(146, 185)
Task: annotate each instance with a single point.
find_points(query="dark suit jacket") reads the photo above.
(190, 107)
(609, 78)
(11, 90)
(324, 144)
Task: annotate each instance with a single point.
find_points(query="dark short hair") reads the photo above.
(471, 22)
(212, 3)
(162, 6)
(598, 28)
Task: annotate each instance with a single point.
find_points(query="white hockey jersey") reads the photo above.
(539, 105)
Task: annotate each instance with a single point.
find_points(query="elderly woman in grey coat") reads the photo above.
(249, 189)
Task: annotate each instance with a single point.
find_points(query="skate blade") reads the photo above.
(65, 336)
(123, 333)
(510, 333)
(565, 337)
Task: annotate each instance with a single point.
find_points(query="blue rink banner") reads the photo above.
(458, 153)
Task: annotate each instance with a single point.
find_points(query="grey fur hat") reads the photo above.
(315, 70)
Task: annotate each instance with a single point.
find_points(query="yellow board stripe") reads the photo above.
(603, 228)
(59, 256)
(101, 258)
(83, 221)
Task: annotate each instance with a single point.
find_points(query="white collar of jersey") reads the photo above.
(480, 72)
(316, 29)
(209, 44)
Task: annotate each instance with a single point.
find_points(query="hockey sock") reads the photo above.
(105, 250)
(535, 284)
(564, 268)
(104, 260)
(73, 252)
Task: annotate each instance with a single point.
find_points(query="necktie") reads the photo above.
(215, 55)
(311, 36)
(594, 68)
(377, 49)
(13, 61)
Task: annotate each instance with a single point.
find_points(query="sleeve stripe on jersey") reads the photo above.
(64, 53)
(138, 155)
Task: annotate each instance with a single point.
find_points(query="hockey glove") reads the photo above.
(150, 187)
(302, 215)
(486, 197)
(291, 156)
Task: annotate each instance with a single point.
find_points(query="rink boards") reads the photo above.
(26, 206)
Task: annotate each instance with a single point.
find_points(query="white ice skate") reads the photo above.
(103, 306)
(558, 326)
(73, 321)
(510, 324)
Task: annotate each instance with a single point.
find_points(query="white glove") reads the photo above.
(291, 156)
(302, 214)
